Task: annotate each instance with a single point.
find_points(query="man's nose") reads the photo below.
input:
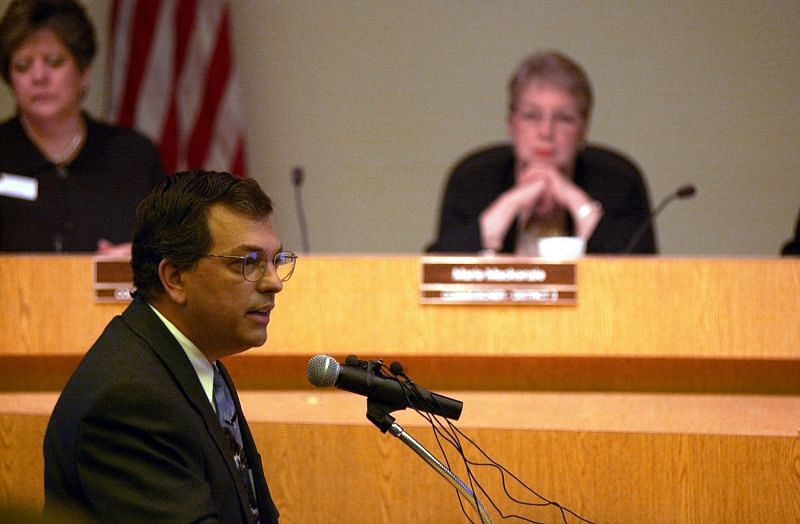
(270, 281)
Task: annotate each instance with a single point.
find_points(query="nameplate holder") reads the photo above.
(113, 278)
(498, 280)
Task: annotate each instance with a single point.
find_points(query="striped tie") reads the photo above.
(229, 420)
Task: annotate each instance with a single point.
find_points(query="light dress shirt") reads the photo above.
(201, 365)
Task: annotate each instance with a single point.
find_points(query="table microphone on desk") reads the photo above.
(682, 192)
(297, 181)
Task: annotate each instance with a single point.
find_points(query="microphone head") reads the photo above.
(297, 176)
(686, 191)
(397, 368)
(323, 371)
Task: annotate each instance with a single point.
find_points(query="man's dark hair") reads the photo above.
(66, 18)
(172, 221)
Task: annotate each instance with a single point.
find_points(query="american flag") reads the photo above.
(173, 78)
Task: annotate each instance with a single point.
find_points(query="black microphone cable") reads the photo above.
(410, 391)
(424, 404)
(450, 433)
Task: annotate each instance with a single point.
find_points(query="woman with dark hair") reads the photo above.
(68, 182)
(548, 182)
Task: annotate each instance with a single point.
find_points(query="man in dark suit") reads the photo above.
(136, 435)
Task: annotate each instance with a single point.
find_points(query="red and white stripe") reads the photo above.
(173, 78)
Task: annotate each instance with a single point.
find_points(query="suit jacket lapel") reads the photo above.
(141, 319)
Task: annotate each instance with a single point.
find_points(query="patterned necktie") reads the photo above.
(229, 420)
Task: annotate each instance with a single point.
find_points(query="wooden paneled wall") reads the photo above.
(641, 323)
(642, 307)
(668, 394)
(617, 458)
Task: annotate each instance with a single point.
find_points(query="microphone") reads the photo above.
(297, 182)
(367, 379)
(682, 192)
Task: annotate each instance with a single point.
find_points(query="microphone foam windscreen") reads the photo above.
(396, 368)
(686, 191)
(323, 371)
(297, 176)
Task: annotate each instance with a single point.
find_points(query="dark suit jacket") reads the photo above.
(134, 438)
(607, 177)
(112, 173)
(792, 247)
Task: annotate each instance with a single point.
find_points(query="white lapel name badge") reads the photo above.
(18, 186)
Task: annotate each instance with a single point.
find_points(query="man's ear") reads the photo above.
(172, 280)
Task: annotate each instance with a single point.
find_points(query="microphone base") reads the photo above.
(380, 415)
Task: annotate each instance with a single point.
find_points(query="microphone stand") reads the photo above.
(379, 415)
(634, 241)
(297, 182)
(682, 192)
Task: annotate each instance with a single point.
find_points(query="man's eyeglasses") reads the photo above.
(255, 264)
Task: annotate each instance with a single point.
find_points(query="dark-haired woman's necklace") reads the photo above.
(60, 160)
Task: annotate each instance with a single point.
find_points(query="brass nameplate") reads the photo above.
(498, 280)
(113, 278)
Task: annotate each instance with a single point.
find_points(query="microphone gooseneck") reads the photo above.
(298, 175)
(686, 191)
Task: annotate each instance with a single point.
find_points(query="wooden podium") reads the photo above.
(669, 393)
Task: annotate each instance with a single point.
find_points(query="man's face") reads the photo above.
(223, 313)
